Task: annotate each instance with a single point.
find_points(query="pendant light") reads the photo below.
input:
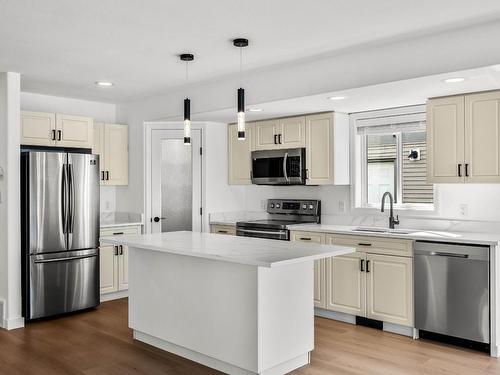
(187, 57)
(241, 43)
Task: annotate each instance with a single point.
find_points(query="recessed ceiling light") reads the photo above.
(104, 83)
(255, 110)
(454, 80)
(337, 97)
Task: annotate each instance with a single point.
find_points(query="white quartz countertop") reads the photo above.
(244, 250)
(492, 239)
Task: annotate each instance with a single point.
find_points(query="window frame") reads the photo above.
(359, 158)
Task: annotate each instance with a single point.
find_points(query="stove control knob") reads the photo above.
(304, 206)
(277, 205)
(272, 205)
(311, 206)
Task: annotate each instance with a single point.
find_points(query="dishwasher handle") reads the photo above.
(452, 255)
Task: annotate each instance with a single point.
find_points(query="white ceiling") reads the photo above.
(387, 95)
(63, 47)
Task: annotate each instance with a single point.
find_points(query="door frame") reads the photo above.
(149, 127)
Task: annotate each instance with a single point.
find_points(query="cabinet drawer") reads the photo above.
(311, 237)
(223, 229)
(374, 245)
(117, 231)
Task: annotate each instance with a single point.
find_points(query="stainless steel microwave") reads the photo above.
(279, 167)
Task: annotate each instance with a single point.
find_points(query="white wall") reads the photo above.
(105, 112)
(10, 225)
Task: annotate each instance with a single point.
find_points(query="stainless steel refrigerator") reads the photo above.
(60, 232)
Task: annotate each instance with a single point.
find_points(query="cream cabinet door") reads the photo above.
(38, 128)
(98, 147)
(320, 283)
(74, 131)
(346, 284)
(482, 137)
(445, 140)
(223, 229)
(239, 156)
(123, 268)
(319, 149)
(266, 135)
(389, 289)
(108, 268)
(116, 154)
(291, 133)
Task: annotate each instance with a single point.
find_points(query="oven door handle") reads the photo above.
(261, 231)
(285, 159)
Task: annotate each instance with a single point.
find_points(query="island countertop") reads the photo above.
(243, 250)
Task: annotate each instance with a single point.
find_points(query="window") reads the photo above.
(391, 156)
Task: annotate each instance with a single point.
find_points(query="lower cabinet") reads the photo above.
(368, 283)
(113, 265)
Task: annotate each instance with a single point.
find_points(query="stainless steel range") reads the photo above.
(282, 214)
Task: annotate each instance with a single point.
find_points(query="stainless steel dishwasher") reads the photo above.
(452, 290)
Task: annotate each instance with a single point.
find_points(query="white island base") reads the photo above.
(239, 315)
(235, 318)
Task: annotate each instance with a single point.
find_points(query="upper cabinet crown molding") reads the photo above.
(463, 138)
(55, 129)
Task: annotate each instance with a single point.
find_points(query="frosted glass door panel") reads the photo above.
(176, 185)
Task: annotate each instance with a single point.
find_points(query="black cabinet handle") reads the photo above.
(362, 265)
(279, 138)
(222, 231)
(367, 266)
(275, 141)
(364, 244)
(466, 170)
(107, 175)
(53, 134)
(102, 175)
(121, 249)
(59, 135)
(116, 250)
(305, 238)
(460, 170)
(116, 233)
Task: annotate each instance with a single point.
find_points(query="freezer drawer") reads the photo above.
(452, 290)
(63, 282)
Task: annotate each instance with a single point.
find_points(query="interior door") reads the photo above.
(175, 181)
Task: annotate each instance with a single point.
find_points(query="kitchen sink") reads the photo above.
(381, 230)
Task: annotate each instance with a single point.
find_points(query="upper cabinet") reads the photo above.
(325, 137)
(49, 129)
(239, 162)
(280, 133)
(463, 138)
(111, 144)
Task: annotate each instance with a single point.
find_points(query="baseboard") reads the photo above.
(115, 295)
(13, 323)
(342, 317)
(351, 319)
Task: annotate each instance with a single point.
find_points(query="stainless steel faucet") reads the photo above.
(392, 221)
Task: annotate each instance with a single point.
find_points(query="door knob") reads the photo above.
(157, 219)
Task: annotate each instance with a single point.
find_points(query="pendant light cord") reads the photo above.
(241, 67)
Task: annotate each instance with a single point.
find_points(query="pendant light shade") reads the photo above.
(241, 113)
(187, 121)
(187, 57)
(241, 43)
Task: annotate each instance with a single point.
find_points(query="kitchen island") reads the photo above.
(239, 305)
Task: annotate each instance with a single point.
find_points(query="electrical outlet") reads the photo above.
(341, 206)
(464, 209)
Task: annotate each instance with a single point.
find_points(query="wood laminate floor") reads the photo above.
(99, 342)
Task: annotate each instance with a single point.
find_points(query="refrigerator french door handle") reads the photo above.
(64, 201)
(71, 198)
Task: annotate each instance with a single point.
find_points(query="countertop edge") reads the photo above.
(121, 225)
